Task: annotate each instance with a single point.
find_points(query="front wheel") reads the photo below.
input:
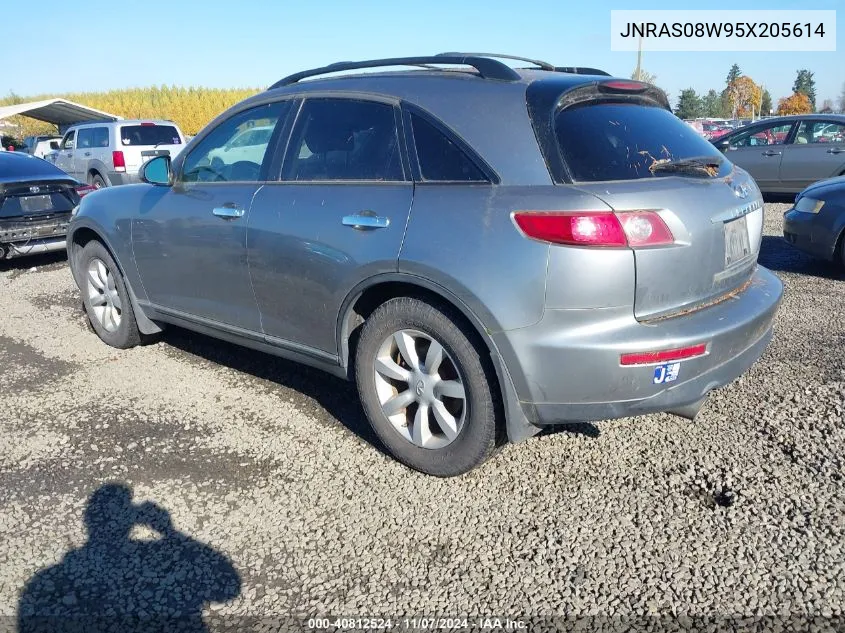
(425, 388)
(105, 297)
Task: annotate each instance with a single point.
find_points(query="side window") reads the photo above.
(67, 141)
(439, 158)
(217, 158)
(85, 139)
(820, 132)
(344, 139)
(101, 137)
(775, 135)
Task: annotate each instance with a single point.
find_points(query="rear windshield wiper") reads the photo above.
(707, 164)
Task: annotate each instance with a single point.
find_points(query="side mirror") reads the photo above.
(157, 171)
(54, 145)
(723, 145)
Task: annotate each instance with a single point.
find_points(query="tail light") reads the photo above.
(663, 356)
(595, 228)
(84, 190)
(118, 160)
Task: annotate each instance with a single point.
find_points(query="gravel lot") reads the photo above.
(270, 497)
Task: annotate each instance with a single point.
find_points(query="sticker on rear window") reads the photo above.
(666, 373)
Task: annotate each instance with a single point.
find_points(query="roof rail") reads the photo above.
(581, 70)
(486, 67)
(575, 70)
(537, 62)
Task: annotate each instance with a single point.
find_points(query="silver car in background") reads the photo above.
(485, 250)
(787, 154)
(109, 153)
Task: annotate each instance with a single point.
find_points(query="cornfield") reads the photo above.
(191, 108)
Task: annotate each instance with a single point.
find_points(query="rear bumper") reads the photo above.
(123, 178)
(809, 232)
(32, 247)
(566, 368)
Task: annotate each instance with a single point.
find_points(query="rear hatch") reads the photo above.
(622, 146)
(140, 142)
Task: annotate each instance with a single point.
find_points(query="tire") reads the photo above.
(387, 338)
(98, 181)
(105, 297)
(840, 254)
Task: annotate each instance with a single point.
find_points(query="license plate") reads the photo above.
(33, 204)
(737, 244)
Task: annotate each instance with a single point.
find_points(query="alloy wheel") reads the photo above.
(103, 296)
(420, 389)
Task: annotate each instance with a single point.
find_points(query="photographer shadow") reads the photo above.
(117, 583)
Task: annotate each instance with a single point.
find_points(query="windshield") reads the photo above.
(149, 135)
(625, 141)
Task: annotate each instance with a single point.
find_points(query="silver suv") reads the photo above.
(487, 251)
(111, 152)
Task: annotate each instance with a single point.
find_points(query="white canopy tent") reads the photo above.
(60, 112)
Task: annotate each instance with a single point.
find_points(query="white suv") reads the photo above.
(112, 152)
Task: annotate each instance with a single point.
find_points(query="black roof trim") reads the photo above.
(581, 70)
(486, 67)
(573, 70)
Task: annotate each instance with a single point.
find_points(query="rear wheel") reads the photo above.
(98, 181)
(105, 297)
(425, 388)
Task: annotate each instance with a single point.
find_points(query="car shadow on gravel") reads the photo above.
(114, 582)
(777, 254)
(42, 262)
(337, 399)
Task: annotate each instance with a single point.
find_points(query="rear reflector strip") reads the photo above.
(663, 356)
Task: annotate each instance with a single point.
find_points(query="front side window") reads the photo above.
(67, 141)
(772, 135)
(344, 139)
(224, 156)
(820, 132)
(440, 159)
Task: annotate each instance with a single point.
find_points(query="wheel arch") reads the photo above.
(370, 294)
(98, 169)
(76, 241)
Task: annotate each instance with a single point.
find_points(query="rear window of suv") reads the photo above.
(149, 135)
(622, 141)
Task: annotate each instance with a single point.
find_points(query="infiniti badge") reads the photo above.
(742, 191)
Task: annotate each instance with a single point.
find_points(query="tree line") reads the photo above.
(190, 108)
(743, 98)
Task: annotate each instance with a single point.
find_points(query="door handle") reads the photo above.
(366, 221)
(87, 153)
(835, 150)
(770, 152)
(228, 213)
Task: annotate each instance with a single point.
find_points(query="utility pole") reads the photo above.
(638, 72)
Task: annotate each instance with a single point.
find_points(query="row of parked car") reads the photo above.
(479, 248)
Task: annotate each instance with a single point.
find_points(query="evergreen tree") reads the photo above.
(766, 104)
(689, 105)
(805, 84)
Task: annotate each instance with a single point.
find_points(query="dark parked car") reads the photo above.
(786, 154)
(36, 199)
(485, 250)
(816, 222)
